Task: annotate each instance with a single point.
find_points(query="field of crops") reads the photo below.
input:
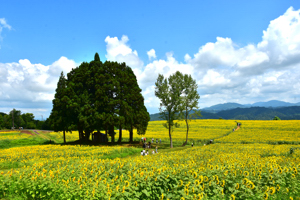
(244, 164)
(283, 131)
(8, 135)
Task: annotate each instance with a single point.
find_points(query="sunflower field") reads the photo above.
(241, 167)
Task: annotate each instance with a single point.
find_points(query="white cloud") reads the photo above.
(28, 85)
(226, 72)
(151, 54)
(118, 50)
(3, 24)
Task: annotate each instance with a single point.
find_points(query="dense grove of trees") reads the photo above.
(26, 120)
(99, 96)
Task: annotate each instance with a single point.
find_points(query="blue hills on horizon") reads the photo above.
(256, 111)
(268, 104)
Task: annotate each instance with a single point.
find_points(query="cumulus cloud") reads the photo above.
(119, 50)
(28, 85)
(151, 54)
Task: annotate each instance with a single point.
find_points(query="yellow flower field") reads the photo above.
(13, 135)
(265, 131)
(218, 171)
(244, 164)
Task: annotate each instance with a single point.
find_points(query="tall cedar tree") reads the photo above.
(169, 91)
(189, 101)
(59, 115)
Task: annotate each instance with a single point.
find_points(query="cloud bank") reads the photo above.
(224, 71)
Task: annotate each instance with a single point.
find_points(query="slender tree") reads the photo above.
(189, 101)
(169, 91)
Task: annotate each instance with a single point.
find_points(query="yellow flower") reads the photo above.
(246, 173)
(266, 196)
(245, 181)
(195, 175)
(237, 186)
(270, 177)
(272, 189)
(277, 187)
(126, 183)
(181, 182)
(206, 178)
(232, 197)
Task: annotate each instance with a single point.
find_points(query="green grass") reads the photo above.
(34, 140)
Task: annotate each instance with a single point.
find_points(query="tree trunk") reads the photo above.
(120, 134)
(64, 137)
(87, 136)
(170, 134)
(112, 134)
(131, 134)
(106, 137)
(80, 132)
(187, 132)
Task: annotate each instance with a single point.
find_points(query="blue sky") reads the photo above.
(238, 51)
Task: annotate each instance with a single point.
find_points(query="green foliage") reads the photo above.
(189, 101)
(96, 57)
(169, 91)
(99, 96)
(276, 118)
(179, 100)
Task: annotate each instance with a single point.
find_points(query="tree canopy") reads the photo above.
(102, 96)
(168, 90)
(179, 100)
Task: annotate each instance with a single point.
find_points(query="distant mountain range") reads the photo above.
(257, 111)
(268, 104)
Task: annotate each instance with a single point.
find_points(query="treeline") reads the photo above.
(99, 96)
(17, 119)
